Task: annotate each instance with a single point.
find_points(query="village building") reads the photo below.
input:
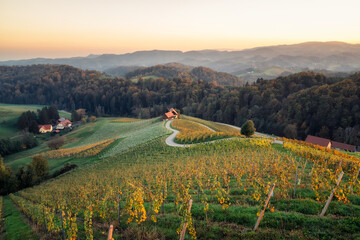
(63, 124)
(172, 114)
(45, 128)
(318, 141)
(343, 146)
(330, 144)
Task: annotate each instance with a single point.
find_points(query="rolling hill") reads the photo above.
(176, 70)
(147, 189)
(274, 105)
(332, 56)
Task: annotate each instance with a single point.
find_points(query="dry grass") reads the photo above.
(126, 120)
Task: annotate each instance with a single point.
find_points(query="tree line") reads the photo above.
(30, 121)
(32, 174)
(17, 144)
(291, 106)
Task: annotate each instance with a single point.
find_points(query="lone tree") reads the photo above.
(41, 167)
(56, 142)
(248, 128)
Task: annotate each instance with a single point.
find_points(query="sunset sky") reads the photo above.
(64, 28)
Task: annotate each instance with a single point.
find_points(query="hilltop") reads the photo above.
(176, 70)
(250, 64)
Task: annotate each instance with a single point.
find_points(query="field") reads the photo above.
(126, 120)
(129, 134)
(9, 113)
(143, 187)
(195, 130)
(215, 126)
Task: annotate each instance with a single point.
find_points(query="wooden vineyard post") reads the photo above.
(198, 194)
(110, 232)
(182, 236)
(62, 225)
(163, 204)
(296, 176)
(44, 220)
(302, 172)
(357, 175)
(266, 203)
(331, 195)
(340, 163)
(198, 189)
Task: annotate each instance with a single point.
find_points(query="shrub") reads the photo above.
(248, 128)
(56, 143)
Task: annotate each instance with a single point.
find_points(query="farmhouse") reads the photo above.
(318, 141)
(63, 124)
(330, 144)
(172, 114)
(343, 146)
(45, 128)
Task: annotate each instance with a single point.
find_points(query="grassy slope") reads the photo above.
(16, 227)
(131, 134)
(215, 126)
(9, 113)
(292, 219)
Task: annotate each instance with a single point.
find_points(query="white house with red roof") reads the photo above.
(45, 128)
(63, 124)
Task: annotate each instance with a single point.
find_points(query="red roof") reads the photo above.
(169, 115)
(45, 127)
(317, 140)
(343, 146)
(65, 122)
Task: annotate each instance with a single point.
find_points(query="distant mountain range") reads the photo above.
(250, 64)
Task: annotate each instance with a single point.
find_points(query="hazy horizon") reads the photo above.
(54, 29)
(125, 52)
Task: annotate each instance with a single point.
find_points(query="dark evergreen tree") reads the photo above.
(248, 128)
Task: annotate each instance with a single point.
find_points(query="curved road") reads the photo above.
(170, 140)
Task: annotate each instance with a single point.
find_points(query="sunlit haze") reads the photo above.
(43, 28)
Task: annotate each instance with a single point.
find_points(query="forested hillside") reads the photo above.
(176, 70)
(294, 106)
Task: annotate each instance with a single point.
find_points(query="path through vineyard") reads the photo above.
(170, 140)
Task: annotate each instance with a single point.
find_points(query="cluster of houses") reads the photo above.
(61, 124)
(171, 114)
(327, 143)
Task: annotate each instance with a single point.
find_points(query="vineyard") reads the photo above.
(78, 152)
(218, 127)
(193, 132)
(145, 193)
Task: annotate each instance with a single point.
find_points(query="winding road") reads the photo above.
(170, 140)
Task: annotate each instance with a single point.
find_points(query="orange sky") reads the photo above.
(64, 28)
